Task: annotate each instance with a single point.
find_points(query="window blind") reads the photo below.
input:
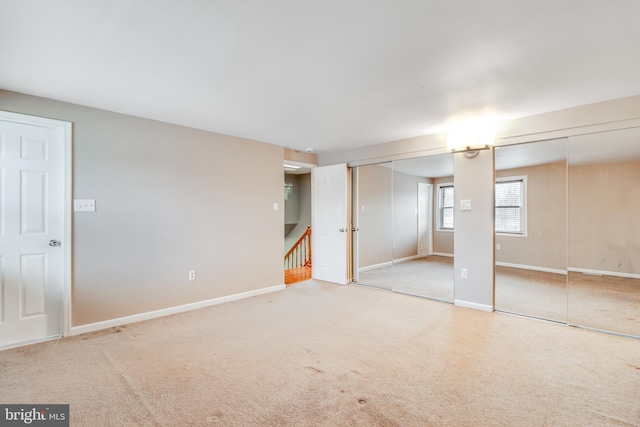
(509, 206)
(446, 207)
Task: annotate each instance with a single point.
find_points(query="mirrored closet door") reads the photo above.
(403, 226)
(530, 223)
(604, 231)
(423, 226)
(373, 223)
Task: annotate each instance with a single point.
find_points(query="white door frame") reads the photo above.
(427, 216)
(355, 224)
(65, 130)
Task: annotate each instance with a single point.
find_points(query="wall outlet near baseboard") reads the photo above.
(192, 275)
(463, 273)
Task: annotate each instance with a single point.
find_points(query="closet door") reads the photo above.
(604, 231)
(423, 226)
(372, 212)
(531, 236)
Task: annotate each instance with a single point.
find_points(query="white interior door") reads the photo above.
(425, 201)
(32, 218)
(330, 223)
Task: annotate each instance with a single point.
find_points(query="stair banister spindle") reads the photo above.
(300, 254)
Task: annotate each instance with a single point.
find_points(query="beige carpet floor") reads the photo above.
(430, 277)
(531, 293)
(601, 302)
(378, 277)
(318, 354)
(604, 302)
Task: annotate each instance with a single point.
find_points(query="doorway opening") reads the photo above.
(297, 227)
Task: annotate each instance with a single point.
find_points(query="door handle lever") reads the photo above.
(54, 243)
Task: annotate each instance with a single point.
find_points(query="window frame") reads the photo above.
(440, 198)
(523, 179)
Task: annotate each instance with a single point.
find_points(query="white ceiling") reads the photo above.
(531, 154)
(326, 75)
(437, 166)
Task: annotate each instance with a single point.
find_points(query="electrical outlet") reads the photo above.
(498, 246)
(463, 273)
(192, 275)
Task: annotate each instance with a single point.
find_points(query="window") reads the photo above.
(445, 207)
(288, 190)
(510, 205)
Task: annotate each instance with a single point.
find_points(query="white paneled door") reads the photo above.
(31, 229)
(330, 223)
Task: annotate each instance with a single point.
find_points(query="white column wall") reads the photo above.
(474, 235)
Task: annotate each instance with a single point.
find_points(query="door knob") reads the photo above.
(54, 243)
(342, 230)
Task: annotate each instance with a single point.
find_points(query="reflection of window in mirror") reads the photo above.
(288, 190)
(445, 207)
(511, 200)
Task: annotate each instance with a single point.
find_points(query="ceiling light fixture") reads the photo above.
(471, 136)
(291, 167)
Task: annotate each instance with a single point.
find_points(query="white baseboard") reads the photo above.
(409, 258)
(531, 267)
(442, 254)
(475, 306)
(91, 327)
(25, 343)
(375, 266)
(388, 264)
(604, 273)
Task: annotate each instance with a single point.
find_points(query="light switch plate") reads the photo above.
(84, 205)
(465, 205)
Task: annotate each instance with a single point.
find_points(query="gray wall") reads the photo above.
(405, 215)
(375, 235)
(545, 244)
(474, 236)
(169, 199)
(604, 231)
(388, 225)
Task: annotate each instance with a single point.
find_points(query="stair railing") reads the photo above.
(300, 253)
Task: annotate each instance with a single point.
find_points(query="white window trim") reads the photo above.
(525, 227)
(438, 186)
